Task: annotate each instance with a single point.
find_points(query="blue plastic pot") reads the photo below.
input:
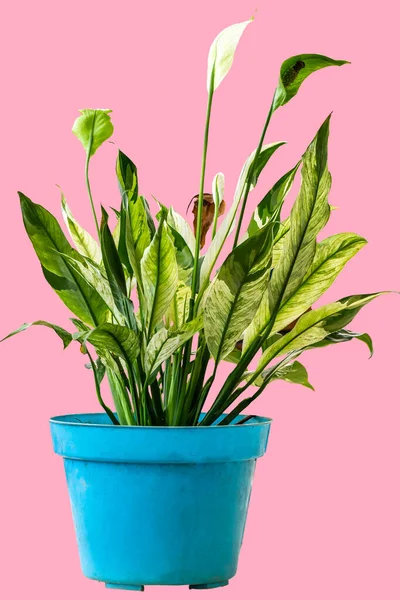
(158, 505)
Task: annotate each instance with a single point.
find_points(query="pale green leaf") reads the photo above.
(236, 291)
(165, 342)
(179, 308)
(331, 256)
(159, 270)
(181, 226)
(93, 128)
(221, 54)
(65, 336)
(294, 372)
(295, 70)
(316, 325)
(84, 242)
(227, 224)
(272, 201)
(345, 335)
(118, 340)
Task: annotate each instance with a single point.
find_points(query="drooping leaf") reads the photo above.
(226, 226)
(159, 275)
(331, 256)
(65, 336)
(316, 325)
(221, 54)
(236, 291)
(344, 335)
(295, 70)
(165, 342)
(50, 245)
(93, 128)
(84, 242)
(294, 372)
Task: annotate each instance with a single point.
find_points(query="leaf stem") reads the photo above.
(200, 199)
(90, 193)
(250, 174)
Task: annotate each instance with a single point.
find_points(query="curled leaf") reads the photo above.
(207, 214)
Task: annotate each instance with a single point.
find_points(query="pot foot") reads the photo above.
(122, 586)
(208, 586)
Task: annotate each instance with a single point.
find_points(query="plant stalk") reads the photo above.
(90, 193)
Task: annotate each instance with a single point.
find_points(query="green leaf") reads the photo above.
(272, 201)
(222, 52)
(84, 242)
(179, 308)
(138, 235)
(181, 226)
(50, 245)
(295, 70)
(159, 275)
(227, 225)
(267, 151)
(165, 342)
(127, 177)
(115, 273)
(95, 277)
(118, 340)
(65, 336)
(294, 372)
(331, 256)
(344, 335)
(93, 128)
(316, 325)
(236, 292)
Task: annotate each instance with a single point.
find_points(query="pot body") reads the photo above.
(158, 505)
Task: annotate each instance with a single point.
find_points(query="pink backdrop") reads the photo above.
(324, 519)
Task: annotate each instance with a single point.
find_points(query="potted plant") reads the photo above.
(160, 484)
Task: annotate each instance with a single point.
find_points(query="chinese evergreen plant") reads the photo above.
(255, 308)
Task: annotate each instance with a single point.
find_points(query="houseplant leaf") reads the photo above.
(50, 245)
(120, 341)
(165, 342)
(316, 325)
(295, 70)
(65, 336)
(271, 201)
(93, 128)
(236, 291)
(330, 257)
(159, 270)
(222, 52)
(84, 242)
(227, 224)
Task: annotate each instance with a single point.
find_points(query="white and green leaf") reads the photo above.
(165, 342)
(84, 242)
(222, 52)
(236, 292)
(159, 269)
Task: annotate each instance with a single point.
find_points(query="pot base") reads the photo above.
(140, 588)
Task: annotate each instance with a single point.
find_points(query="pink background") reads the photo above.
(324, 518)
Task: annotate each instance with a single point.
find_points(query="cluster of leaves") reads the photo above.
(253, 309)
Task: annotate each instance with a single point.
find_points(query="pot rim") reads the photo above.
(255, 421)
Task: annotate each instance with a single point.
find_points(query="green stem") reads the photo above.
(90, 193)
(200, 199)
(250, 174)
